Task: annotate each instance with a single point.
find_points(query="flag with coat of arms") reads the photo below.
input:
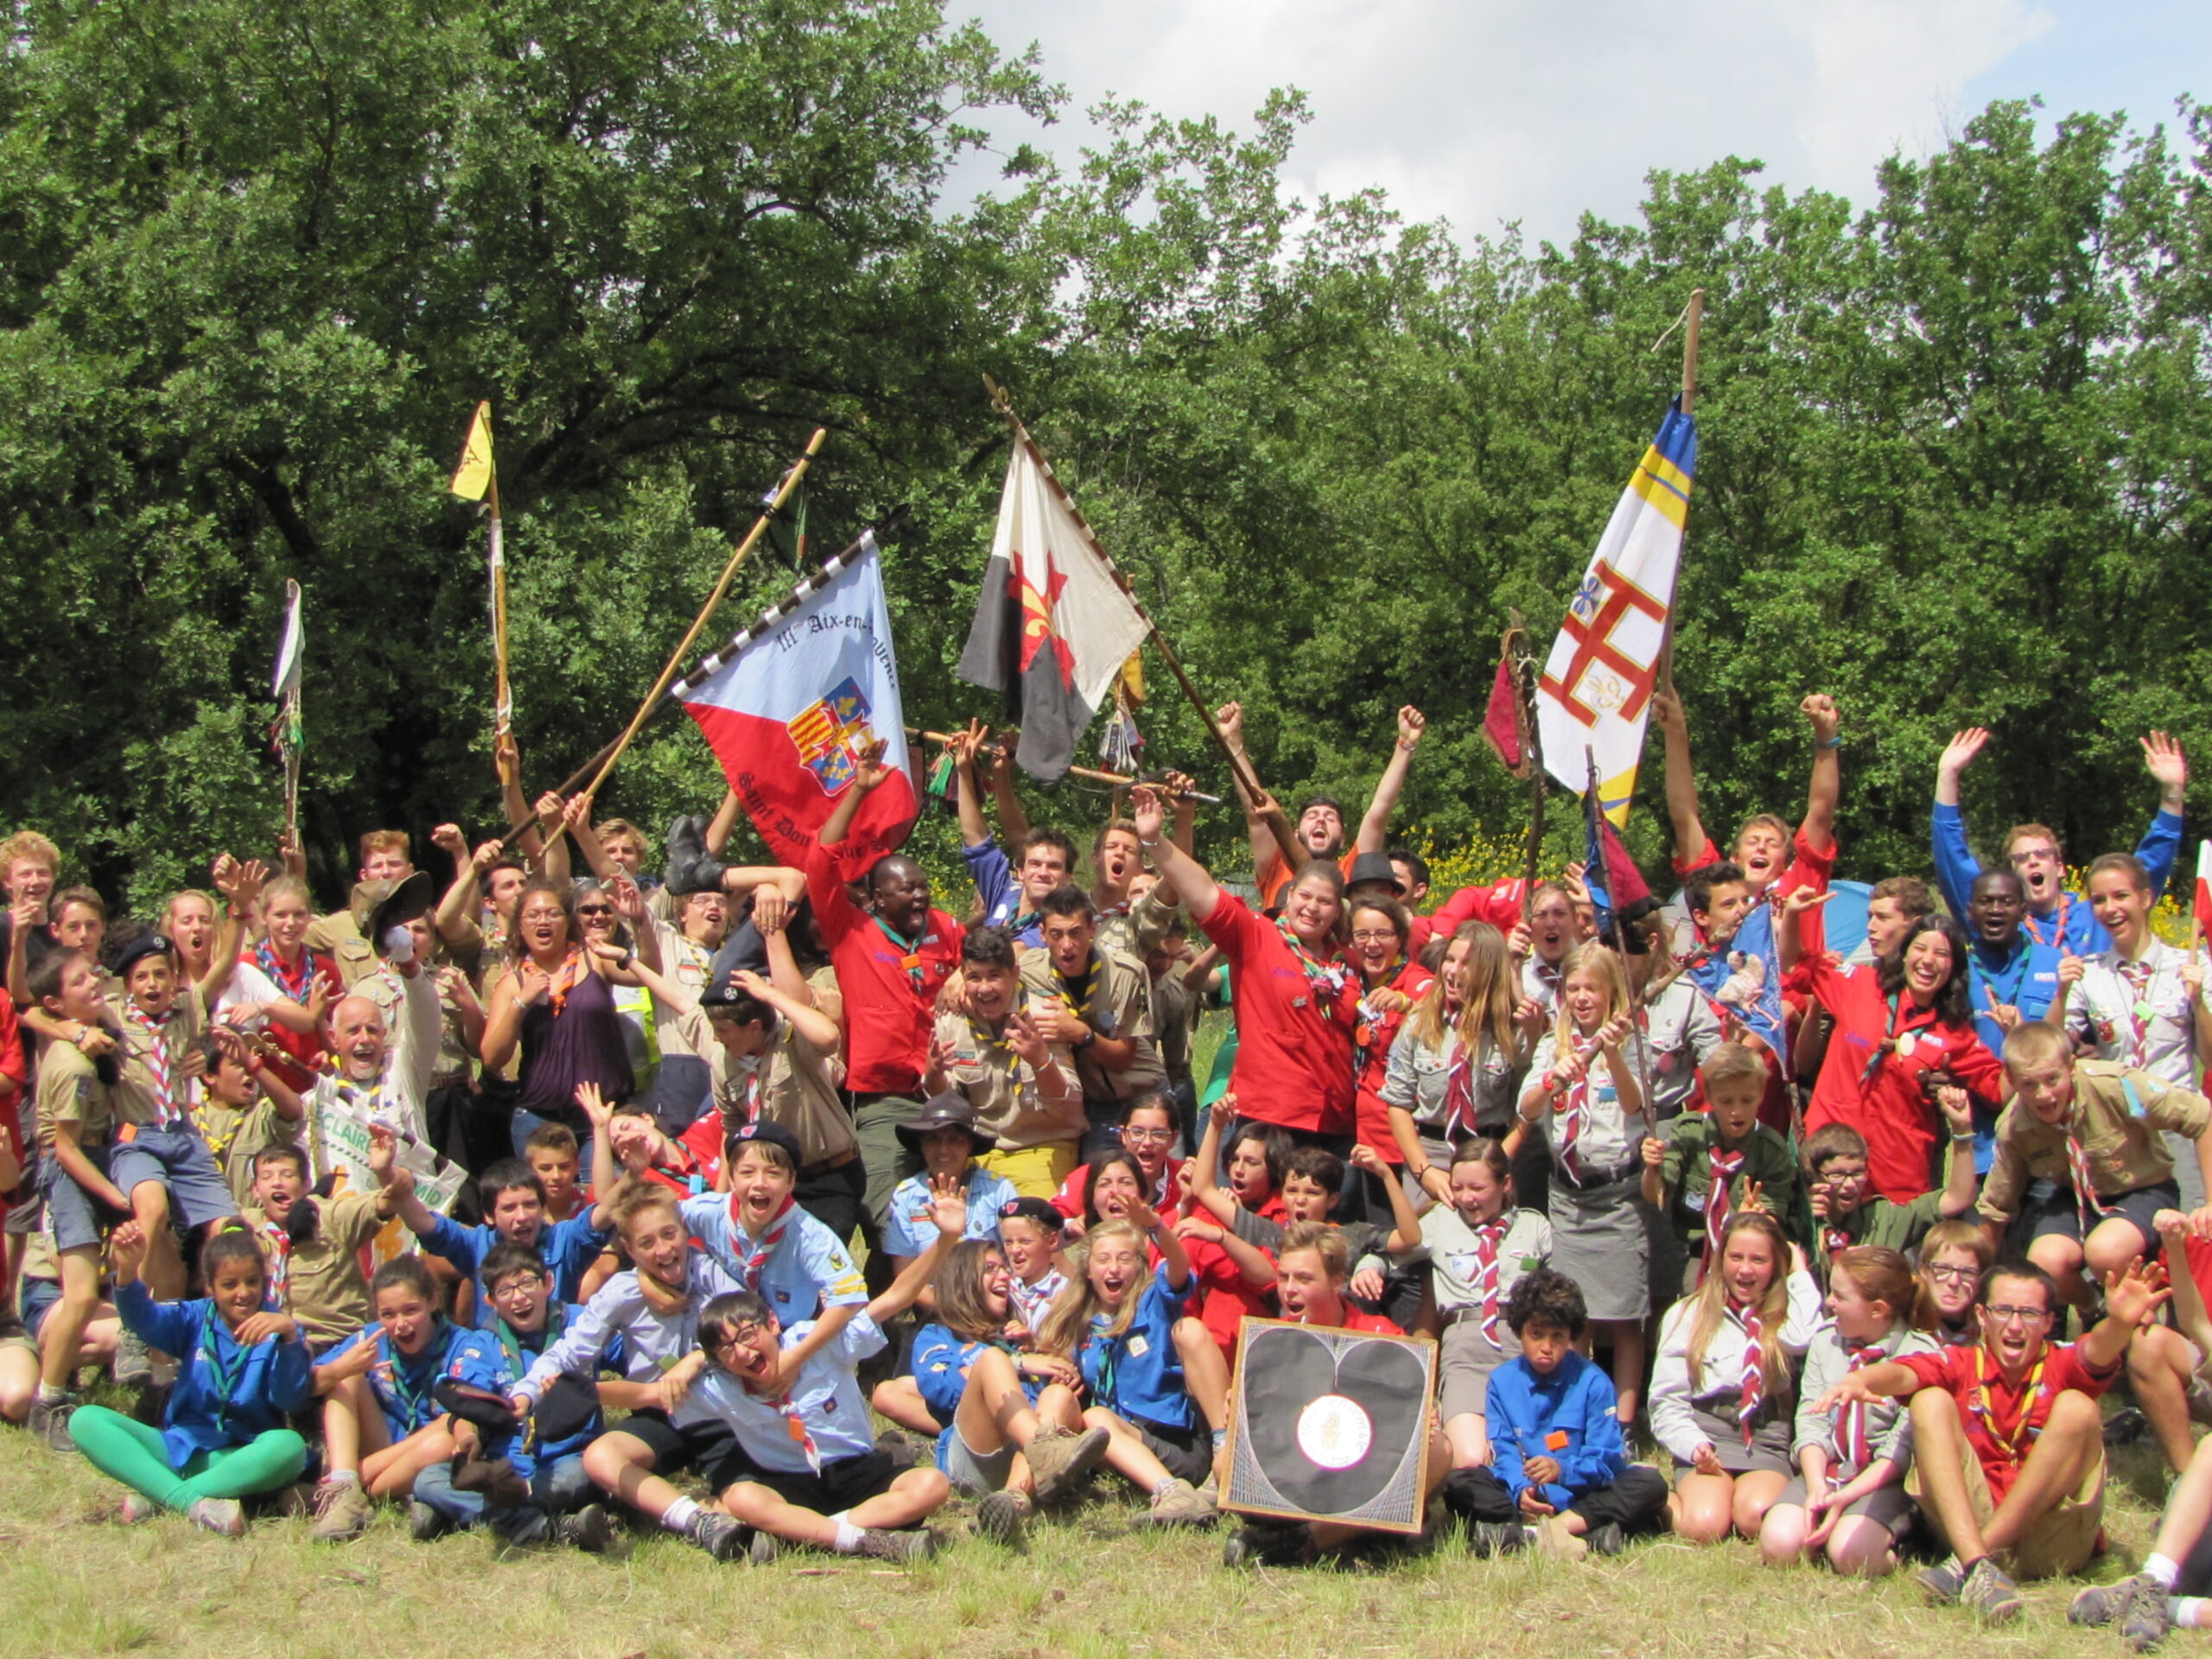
(789, 715)
(1596, 690)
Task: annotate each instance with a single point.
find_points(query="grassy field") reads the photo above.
(1089, 1586)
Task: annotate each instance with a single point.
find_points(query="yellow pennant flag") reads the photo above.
(473, 476)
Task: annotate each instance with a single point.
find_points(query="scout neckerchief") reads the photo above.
(156, 1059)
(1850, 1420)
(998, 1042)
(2086, 1204)
(2005, 992)
(2058, 922)
(1754, 1379)
(1103, 1391)
(909, 951)
(1570, 1128)
(511, 1345)
(1325, 979)
(1489, 1240)
(1373, 1020)
(571, 972)
(277, 1251)
(2138, 976)
(684, 1177)
(414, 1397)
(1901, 1008)
(795, 1425)
(748, 1271)
(1029, 1300)
(1081, 993)
(204, 1117)
(2008, 1445)
(1459, 1083)
(226, 1377)
(1718, 1181)
(298, 983)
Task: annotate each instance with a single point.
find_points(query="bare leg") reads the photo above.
(2061, 1257)
(2188, 1507)
(1127, 1455)
(621, 1465)
(1754, 1494)
(391, 1472)
(1467, 1435)
(914, 1496)
(2115, 1244)
(1939, 1442)
(352, 1422)
(164, 1271)
(1861, 1548)
(2160, 1364)
(1628, 1366)
(899, 1398)
(2072, 1437)
(1782, 1533)
(65, 1322)
(1703, 1507)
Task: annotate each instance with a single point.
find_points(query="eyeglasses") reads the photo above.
(594, 909)
(1384, 937)
(2021, 1315)
(1954, 1275)
(737, 1336)
(1148, 1135)
(522, 1284)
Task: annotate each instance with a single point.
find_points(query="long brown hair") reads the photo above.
(961, 1307)
(1486, 1012)
(1066, 1326)
(1883, 1275)
(1712, 1303)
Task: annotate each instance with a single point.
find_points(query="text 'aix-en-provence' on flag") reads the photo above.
(1052, 626)
(1596, 690)
(791, 714)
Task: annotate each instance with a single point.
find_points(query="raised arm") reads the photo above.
(1682, 775)
(814, 1026)
(1375, 828)
(1826, 787)
(2161, 842)
(1014, 821)
(240, 886)
(506, 759)
(1205, 1165)
(1182, 875)
(1955, 864)
(724, 823)
(967, 789)
(456, 906)
(869, 775)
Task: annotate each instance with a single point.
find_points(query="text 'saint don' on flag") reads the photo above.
(1052, 626)
(791, 715)
(1596, 690)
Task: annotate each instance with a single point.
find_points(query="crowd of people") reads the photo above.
(569, 1198)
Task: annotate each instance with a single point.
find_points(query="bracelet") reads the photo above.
(1957, 1139)
(1141, 841)
(1835, 742)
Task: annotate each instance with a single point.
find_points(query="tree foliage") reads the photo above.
(258, 263)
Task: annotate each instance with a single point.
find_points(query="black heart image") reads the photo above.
(1285, 1370)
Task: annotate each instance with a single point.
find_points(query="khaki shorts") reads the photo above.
(2061, 1541)
(1036, 1172)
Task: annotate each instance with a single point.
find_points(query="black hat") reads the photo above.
(145, 945)
(395, 903)
(1036, 1210)
(1376, 866)
(950, 1110)
(764, 1132)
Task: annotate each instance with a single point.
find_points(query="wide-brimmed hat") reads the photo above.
(1376, 866)
(393, 904)
(950, 1110)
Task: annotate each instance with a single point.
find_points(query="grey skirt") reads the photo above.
(1768, 1453)
(1891, 1506)
(1600, 1239)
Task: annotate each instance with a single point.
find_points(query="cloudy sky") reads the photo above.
(1486, 111)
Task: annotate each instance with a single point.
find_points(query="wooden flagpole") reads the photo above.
(1240, 765)
(714, 602)
(503, 712)
(1695, 319)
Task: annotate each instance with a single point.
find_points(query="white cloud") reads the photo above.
(1489, 111)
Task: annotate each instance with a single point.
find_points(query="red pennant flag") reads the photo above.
(1501, 725)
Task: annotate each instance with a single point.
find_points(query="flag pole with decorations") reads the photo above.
(477, 478)
(284, 686)
(1595, 693)
(1059, 628)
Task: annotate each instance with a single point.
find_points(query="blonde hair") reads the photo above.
(2030, 1044)
(1486, 1011)
(29, 846)
(1326, 1240)
(1600, 962)
(1066, 1326)
(1711, 1302)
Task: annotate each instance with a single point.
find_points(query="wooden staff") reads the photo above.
(1689, 405)
(714, 602)
(1116, 779)
(1240, 766)
(1532, 753)
(1620, 933)
(503, 709)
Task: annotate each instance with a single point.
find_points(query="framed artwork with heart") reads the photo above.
(1330, 1425)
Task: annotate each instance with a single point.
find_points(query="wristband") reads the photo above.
(1141, 841)
(1835, 742)
(1957, 1139)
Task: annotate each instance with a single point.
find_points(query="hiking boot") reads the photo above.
(1989, 1590)
(2146, 1621)
(1177, 1504)
(895, 1445)
(49, 1422)
(1554, 1540)
(295, 1501)
(909, 1547)
(590, 1529)
(720, 1536)
(1608, 1540)
(1489, 1538)
(134, 1361)
(1058, 1460)
(224, 1516)
(1943, 1581)
(2101, 1603)
(495, 1477)
(1268, 1544)
(1002, 1518)
(341, 1511)
(135, 1508)
(423, 1522)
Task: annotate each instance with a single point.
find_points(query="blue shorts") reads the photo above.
(178, 1160)
(77, 1220)
(34, 1299)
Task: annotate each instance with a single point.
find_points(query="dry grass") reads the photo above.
(1090, 1587)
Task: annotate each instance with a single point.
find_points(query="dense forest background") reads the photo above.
(258, 262)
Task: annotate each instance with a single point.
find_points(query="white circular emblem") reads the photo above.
(1334, 1431)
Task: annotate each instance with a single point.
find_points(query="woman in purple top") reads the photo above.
(555, 1004)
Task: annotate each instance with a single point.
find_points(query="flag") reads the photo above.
(473, 476)
(286, 679)
(789, 714)
(2202, 903)
(1744, 980)
(1610, 875)
(1052, 626)
(1502, 721)
(1596, 690)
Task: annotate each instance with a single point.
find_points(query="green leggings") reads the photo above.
(129, 1451)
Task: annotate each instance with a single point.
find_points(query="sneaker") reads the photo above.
(135, 1508)
(764, 1549)
(1058, 1460)
(1556, 1541)
(49, 1422)
(295, 1502)
(134, 1361)
(1944, 1580)
(1002, 1518)
(1177, 1504)
(590, 1529)
(1489, 1538)
(1989, 1590)
(895, 1445)
(721, 1537)
(2101, 1603)
(909, 1547)
(1608, 1540)
(1268, 1544)
(2145, 1623)
(341, 1511)
(224, 1516)
(2127, 1427)
(423, 1522)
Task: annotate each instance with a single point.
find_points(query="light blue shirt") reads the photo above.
(807, 1270)
(908, 1230)
(826, 1398)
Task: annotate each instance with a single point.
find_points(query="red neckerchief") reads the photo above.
(157, 1058)
(1724, 1168)
(571, 973)
(1851, 1423)
(1754, 1383)
(2058, 925)
(1490, 1239)
(749, 1276)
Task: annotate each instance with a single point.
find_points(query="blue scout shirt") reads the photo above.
(825, 1402)
(1568, 1416)
(1000, 893)
(806, 1271)
(908, 1229)
(1138, 1375)
(2072, 925)
(225, 1395)
(568, 1249)
(402, 1385)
